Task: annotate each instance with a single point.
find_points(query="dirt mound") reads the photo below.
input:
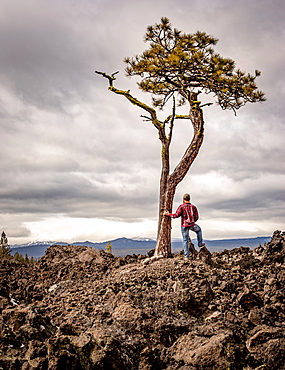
(80, 308)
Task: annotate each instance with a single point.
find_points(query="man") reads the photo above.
(189, 215)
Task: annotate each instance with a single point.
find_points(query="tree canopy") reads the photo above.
(183, 63)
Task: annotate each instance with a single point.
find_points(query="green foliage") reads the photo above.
(109, 248)
(185, 63)
(17, 256)
(5, 251)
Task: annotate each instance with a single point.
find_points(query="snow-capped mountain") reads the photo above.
(139, 245)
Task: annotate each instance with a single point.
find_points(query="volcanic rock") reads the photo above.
(82, 308)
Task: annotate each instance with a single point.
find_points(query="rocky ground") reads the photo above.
(80, 308)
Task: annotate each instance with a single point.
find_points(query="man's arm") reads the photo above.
(174, 215)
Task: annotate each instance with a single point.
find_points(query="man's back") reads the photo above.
(188, 213)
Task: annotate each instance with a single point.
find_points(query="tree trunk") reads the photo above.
(163, 242)
(168, 183)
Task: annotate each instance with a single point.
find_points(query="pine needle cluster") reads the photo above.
(181, 63)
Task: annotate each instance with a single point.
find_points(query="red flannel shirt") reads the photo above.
(188, 213)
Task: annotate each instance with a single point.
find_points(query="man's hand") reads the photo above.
(166, 213)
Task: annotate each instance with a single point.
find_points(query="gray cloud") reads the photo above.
(71, 147)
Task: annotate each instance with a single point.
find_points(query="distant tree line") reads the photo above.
(5, 251)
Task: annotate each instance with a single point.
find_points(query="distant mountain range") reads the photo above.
(123, 246)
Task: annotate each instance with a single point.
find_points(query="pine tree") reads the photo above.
(17, 256)
(109, 248)
(5, 251)
(179, 67)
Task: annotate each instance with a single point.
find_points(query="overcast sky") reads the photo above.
(78, 162)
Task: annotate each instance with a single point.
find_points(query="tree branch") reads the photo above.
(133, 100)
(110, 78)
(205, 105)
(146, 118)
(172, 121)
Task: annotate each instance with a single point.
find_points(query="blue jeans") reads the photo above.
(185, 236)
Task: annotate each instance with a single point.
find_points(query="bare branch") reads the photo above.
(171, 125)
(153, 117)
(181, 116)
(205, 105)
(110, 78)
(146, 118)
(138, 103)
(177, 116)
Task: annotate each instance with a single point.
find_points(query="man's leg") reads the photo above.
(197, 229)
(185, 236)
